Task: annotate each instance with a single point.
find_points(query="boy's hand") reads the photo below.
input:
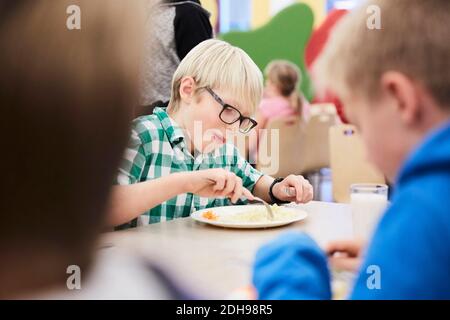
(345, 254)
(294, 189)
(217, 183)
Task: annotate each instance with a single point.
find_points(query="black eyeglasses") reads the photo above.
(231, 115)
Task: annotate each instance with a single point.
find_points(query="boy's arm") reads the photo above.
(132, 196)
(291, 267)
(261, 189)
(130, 201)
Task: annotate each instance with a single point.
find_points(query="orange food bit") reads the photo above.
(209, 215)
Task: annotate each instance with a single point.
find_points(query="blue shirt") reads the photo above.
(409, 256)
(411, 246)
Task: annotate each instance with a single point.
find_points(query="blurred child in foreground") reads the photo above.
(395, 86)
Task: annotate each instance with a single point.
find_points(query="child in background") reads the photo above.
(396, 90)
(281, 98)
(281, 95)
(215, 91)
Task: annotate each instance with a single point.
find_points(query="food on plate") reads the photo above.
(209, 215)
(253, 214)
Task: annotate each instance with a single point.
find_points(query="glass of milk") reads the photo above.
(368, 202)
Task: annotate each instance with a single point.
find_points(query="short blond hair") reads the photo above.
(219, 65)
(413, 40)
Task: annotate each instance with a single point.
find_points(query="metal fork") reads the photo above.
(270, 214)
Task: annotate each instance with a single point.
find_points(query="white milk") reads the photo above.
(367, 209)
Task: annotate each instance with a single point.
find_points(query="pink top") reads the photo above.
(275, 107)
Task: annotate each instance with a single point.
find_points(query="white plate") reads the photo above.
(224, 211)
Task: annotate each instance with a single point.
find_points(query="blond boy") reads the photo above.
(215, 91)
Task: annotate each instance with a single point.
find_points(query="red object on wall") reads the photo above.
(315, 46)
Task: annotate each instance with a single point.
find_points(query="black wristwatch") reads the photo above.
(272, 197)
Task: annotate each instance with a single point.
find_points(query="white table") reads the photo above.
(217, 261)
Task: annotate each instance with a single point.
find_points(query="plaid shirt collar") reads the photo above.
(175, 134)
(171, 128)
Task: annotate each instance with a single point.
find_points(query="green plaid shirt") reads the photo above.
(157, 148)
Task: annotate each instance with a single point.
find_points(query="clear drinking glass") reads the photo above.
(368, 202)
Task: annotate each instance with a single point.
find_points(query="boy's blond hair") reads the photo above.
(219, 65)
(413, 40)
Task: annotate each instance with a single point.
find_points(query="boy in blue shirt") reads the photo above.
(396, 90)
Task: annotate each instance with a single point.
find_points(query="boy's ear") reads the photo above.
(403, 91)
(187, 89)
